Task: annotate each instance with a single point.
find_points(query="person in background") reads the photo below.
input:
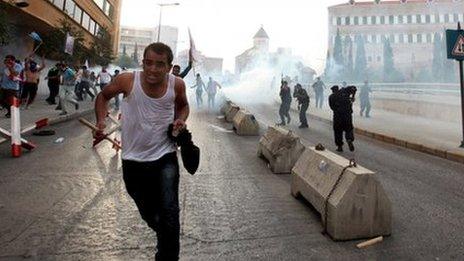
(303, 103)
(286, 97)
(105, 77)
(319, 87)
(199, 85)
(67, 88)
(10, 82)
(211, 90)
(53, 82)
(176, 68)
(365, 99)
(116, 98)
(341, 103)
(31, 83)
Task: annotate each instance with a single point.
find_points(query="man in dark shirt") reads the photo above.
(53, 82)
(341, 103)
(303, 103)
(286, 97)
(176, 68)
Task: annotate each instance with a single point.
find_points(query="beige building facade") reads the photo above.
(89, 15)
(410, 27)
(141, 37)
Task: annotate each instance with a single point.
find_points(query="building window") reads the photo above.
(347, 20)
(364, 19)
(382, 19)
(85, 20)
(409, 19)
(409, 38)
(356, 20)
(92, 26)
(339, 20)
(442, 18)
(400, 19)
(419, 38)
(418, 19)
(429, 38)
(77, 14)
(427, 19)
(59, 4)
(391, 19)
(97, 28)
(374, 19)
(100, 3)
(69, 7)
(447, 18)
(369, 20)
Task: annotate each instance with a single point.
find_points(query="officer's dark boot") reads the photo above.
(340, 148)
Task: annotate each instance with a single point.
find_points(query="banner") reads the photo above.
(69, 44)
(192, 45)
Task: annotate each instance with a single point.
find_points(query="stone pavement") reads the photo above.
(41, 109)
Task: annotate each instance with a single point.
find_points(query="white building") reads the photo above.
(130, 36)
(410, 26)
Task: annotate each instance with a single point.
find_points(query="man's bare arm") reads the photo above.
(181, 102)
(120, 84)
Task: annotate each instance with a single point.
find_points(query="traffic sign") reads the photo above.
(455, 44)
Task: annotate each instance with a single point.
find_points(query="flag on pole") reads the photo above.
(69, 44)
(35, 36)
(192, 45)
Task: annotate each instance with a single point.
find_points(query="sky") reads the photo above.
(225, 28)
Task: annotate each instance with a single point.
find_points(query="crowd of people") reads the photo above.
(67, 85)
(340, 102)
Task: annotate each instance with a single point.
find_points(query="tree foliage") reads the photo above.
(360, 64)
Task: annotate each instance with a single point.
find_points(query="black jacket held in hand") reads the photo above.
(189, 152)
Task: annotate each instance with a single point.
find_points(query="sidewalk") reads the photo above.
(434, 137)
(40, 109)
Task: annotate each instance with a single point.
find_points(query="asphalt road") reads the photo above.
(67, 201)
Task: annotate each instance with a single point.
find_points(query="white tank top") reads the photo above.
(145, 123)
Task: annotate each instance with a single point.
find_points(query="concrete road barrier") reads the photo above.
(225, 106)
(230, 113)
(357, 204)
(281, 148)
(245, 124)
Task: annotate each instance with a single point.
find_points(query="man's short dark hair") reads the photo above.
(160, 48)
(176, 66)
(11, 57)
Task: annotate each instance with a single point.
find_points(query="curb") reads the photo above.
(453, 155)
(60, 119)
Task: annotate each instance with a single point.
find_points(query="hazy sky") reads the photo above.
(225, 28)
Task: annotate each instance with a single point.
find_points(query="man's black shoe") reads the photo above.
(58, 108)
(350, 145)
(77, 106)
(303, 126)
(340, 148)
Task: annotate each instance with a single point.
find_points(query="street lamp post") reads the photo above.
(161, 10)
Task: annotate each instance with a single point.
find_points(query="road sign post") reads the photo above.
(455, 48)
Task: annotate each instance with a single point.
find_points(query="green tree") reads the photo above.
(437, 62)
(124, 51)
(348, 72)
(125, 61)
(360, 63)
(135, 56)
(54, 43)
(338, 50)
(4, 25)
(102, 50)
(449, 65)
(388, 63)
